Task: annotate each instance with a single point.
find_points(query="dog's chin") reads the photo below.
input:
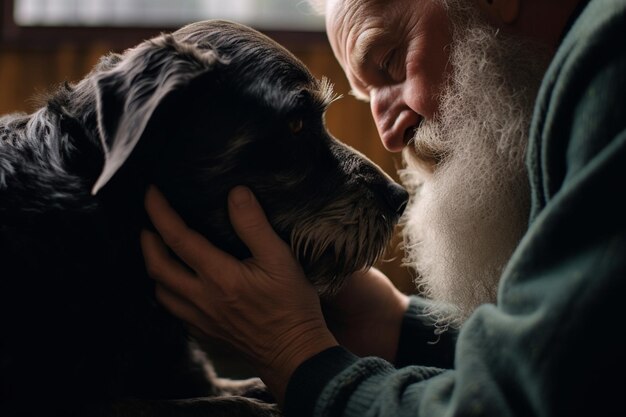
(326, 262)
(329, 260)
(325, 273)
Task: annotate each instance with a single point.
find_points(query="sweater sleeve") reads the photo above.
(420, 341)
(555, 342)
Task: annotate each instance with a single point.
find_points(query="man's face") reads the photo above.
(395, 56)
(458, 97)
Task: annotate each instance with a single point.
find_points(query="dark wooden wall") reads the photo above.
(34, 61)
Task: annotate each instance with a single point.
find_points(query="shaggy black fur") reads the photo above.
(197, 112)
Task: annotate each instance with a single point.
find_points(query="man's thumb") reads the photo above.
(251, 225)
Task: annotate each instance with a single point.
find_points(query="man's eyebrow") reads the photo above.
(359, 95)
(359, 58)
(364, 44)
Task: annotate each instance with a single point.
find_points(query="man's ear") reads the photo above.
(128, 95)
(501, 11)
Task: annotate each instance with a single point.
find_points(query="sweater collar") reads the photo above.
(574, 16)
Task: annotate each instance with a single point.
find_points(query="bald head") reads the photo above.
(540, 20)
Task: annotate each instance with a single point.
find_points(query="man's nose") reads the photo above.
(395, 120)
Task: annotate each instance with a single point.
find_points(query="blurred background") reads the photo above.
(46, 42)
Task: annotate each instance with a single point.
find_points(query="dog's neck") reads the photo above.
(59, 155)
(74, 112)
(56, 149)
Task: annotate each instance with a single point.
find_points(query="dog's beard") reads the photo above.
(467, 216)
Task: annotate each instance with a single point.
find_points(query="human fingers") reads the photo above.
(252, 226)
(163, 268)
(180, 307)
(197, 252)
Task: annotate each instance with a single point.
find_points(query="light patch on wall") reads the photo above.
(262, 14)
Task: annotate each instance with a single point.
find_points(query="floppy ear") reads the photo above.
(128, 95)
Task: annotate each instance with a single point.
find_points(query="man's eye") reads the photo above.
(296, 125)
(391, 67)
(386, 61)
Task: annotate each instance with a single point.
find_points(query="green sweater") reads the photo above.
(554, 345)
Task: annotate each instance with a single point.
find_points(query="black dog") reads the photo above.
(197, 112)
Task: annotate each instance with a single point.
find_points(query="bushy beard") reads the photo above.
(467, 215)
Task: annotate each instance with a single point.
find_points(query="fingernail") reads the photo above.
(240, 197)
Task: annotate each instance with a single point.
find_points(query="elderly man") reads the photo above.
(512, 119)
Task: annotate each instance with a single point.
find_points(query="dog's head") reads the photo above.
(217, 104)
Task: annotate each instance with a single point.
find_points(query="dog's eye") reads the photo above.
(296, 125)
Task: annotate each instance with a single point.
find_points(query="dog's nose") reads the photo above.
(397, 197)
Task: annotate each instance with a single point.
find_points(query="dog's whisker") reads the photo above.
(355, 243)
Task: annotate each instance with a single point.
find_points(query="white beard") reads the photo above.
(466, 217)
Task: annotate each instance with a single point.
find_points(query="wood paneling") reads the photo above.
(27, 70)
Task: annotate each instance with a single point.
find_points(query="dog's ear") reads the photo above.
(128, 95)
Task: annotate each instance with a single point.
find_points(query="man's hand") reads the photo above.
(263, 306)
(366, 315)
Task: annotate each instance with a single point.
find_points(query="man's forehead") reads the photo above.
(344, 19)
(333, 7)
(354, 27)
